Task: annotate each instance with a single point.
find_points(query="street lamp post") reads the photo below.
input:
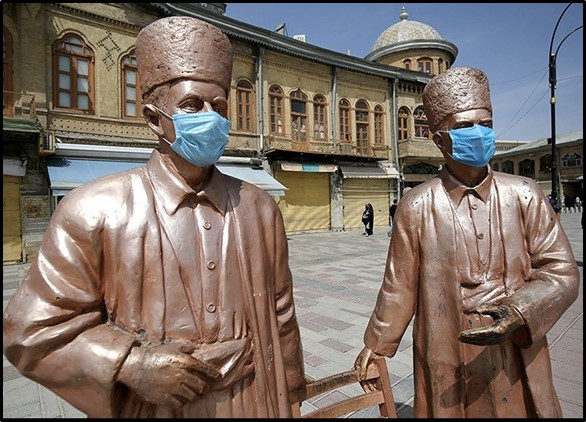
(555, 194)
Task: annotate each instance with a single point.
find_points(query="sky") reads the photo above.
(510, 42)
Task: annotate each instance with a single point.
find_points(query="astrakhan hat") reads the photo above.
(456, 90)
(182, 47)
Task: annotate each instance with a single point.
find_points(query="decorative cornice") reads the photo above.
(446, 46)
(92, 16)
(305, 71)
(274, 41)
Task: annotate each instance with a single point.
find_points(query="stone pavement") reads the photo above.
(337, 276)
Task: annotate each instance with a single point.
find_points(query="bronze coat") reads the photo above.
(97, 282)
(540, 276)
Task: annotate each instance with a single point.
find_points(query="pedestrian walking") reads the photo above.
(392, 210)
(368, 219)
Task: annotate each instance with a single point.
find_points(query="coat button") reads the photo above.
(211, 307)
(474, 206)
(207, 225)
(211, 265)
(480, 236)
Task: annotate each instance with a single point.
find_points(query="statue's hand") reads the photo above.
(166, 374)
(363, 360)
(506, 321)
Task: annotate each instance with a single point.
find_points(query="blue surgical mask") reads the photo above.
(473, 146)
(200, 138)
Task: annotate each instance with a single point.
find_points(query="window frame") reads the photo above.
(571, 160)
(75, 58)
(344, 120)
(244, 106)
(508, 165)
(128, 63)
(276, 98)
(420, 124)
(298, 118)
(362, 119)
(425, 65)
(320, 117)
(403, 116)
(379, 126)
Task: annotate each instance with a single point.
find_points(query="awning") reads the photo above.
(256, 176)
(68, 173)
(365, 172)
(13, 166)
(309, 167)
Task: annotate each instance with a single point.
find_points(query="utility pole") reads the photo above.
(555, 193)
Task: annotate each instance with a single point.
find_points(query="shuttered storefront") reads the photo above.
(11, 228)
(359, 191)
(306, 204)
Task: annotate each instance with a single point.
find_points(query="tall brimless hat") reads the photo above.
(456, 90)
(181, 47)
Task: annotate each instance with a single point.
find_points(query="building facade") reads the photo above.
(534, 160)
(323, 132)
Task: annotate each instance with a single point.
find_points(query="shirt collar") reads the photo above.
(171, 189)
(457, 190)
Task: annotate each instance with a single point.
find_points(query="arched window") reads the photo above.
(320, 127)
(132, 103)
(424, 65)
(276, 103)
(571, 160)
(508, 167)
(379, 132)
(545, 163)
(362, 129)
(495, 166)
(73, 74)
(244, 106)
(298, 115)
(403, 123)
(344, 108)
(527, 168)
(7, 74)
(421, 126)
(407, 64)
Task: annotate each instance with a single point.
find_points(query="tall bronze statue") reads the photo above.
(165, 291)
(480, 261)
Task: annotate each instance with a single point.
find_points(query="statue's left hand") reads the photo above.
(363, 360)
(506, 321)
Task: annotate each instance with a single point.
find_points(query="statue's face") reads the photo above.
(460, 120)
(189, 96)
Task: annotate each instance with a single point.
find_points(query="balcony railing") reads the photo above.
(321, 146)
(20, 105)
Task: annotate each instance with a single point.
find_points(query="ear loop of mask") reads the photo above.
(446, 152)
(169, 117)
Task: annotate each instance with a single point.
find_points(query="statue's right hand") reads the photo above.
(166, 374)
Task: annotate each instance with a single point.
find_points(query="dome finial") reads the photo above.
(403, 14)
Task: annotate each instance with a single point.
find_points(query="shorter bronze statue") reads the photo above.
(481, 262)
(165, 290)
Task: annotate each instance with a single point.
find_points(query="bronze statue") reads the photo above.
(165, 291)
(481, 262)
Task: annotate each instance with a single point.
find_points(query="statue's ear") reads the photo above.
(439, 140)
(153, 118)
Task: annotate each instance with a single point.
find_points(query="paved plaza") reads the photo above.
(336, 279)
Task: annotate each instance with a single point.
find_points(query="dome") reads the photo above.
(405, 30)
